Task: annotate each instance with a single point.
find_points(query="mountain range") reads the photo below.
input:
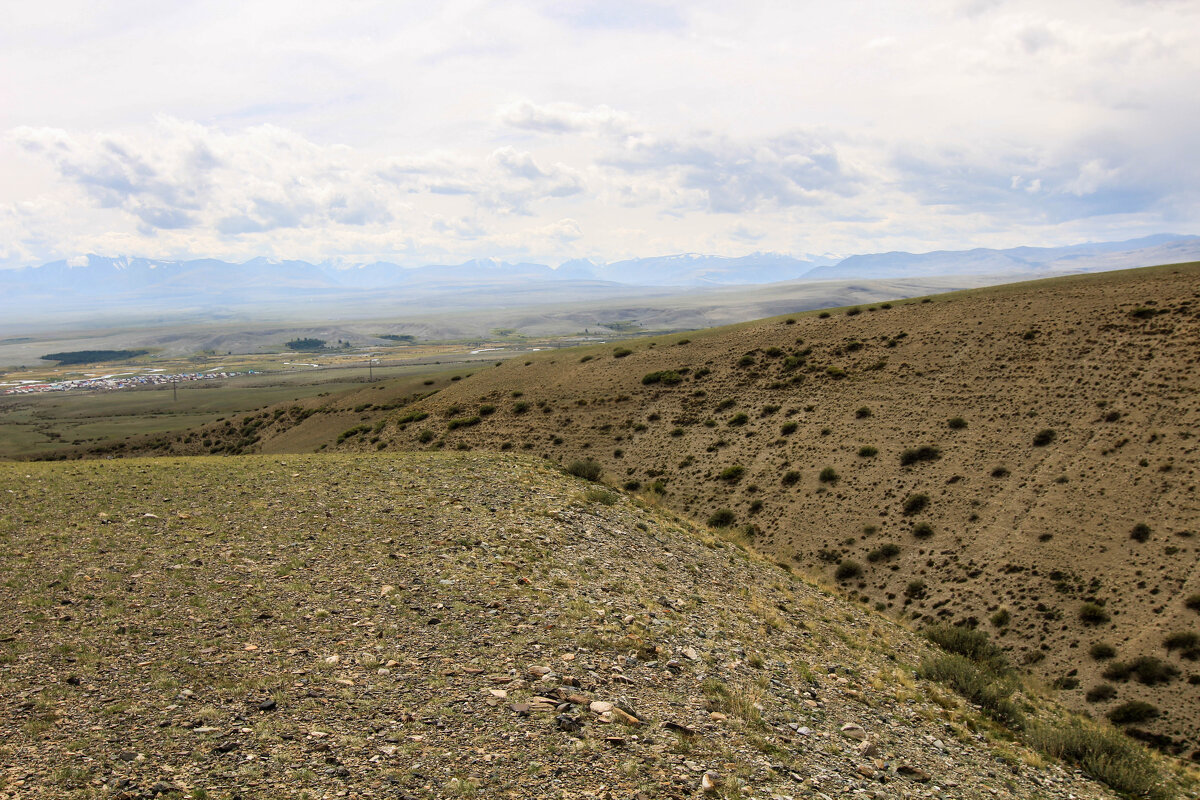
(114, 283)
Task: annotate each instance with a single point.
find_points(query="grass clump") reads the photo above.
(463, 422)
(956, 423)
(862, 413)
(867, 451)
(828, 475)
(598, 494)
(790, 478)
(1140, 532)
(788, 428)
(585, 468)
(621, 352)
(1147, 670)
(922, 530)
(1102, 651)
(990, 691)
(884, 552)
(969, 643)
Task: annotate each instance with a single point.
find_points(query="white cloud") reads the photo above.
(552, 130)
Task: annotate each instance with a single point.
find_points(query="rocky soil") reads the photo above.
(446, 625)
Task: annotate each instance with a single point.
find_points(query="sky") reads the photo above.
(547, 130)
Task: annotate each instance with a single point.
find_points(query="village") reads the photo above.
(127, 380)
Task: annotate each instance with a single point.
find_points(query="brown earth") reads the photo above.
(458, 625)
(1021, 537)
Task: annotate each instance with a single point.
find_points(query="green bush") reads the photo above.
(862, 413)
(1000, 472)
(722, 518)
(867, 451)
(790, 478)
(425, 436)
(1001, 618)
(463, 422)
(585, 468)
(788, 428)
(412, 416)
(621, 352)
(924, 453)
(828, 475)
(956, 423)
(1100, 692)
(1102, 651)
(922, 530)
(915, 589)
(739, 419)
(915, 503)
(669, 377)
(1186, 641)
(1193, 602)
(1103, 753)
(1140, 532)
(520, 407)
(733, 473)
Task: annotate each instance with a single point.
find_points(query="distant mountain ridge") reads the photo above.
(117, 282)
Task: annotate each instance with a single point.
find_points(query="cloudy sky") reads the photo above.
(554, 129)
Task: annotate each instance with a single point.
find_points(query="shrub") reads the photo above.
(1193, 602)
(1148, 670)
(956, 423)
(823, 315)
(922, 530)
(721, 518)
(487, 409)
(739, 419)
(915, 503)
(621, 352)
(425, 436)
(884, 552)
(1100, 692)
(1132, 711)
(1001, 618)
(1140, 532)
(732, 474)
(867, 451)
(463, 422)
(788, 428)
(598, 494)
(914, 454)
(862, 413)
(1103, 753)
(989, 691)
(1093, 614)
(412, 416)
(1102, 651)
(790, 478)
(586, 469)
(1187, 641)
(915, 589)
(969, 643)
(828, 475)
(1044, 437)
(1000, 472)
(669, 377)
(848, 570)
(837, 373)
(520, 407)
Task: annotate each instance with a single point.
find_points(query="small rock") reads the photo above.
(568, 724)
(709, 782)
(267, 705)
(915, 773)
(691, 654)
(867, 749)
(600, 706)
(866, 771)
(853, 731)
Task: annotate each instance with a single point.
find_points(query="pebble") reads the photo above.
(852, 731)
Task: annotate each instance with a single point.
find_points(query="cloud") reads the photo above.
(558, 118)
(728, 176)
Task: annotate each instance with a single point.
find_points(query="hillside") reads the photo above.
(1078, 554)
(445, 625)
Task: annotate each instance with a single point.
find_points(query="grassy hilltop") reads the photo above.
(446, 625)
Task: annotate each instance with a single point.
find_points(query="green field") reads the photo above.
(31, 425)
